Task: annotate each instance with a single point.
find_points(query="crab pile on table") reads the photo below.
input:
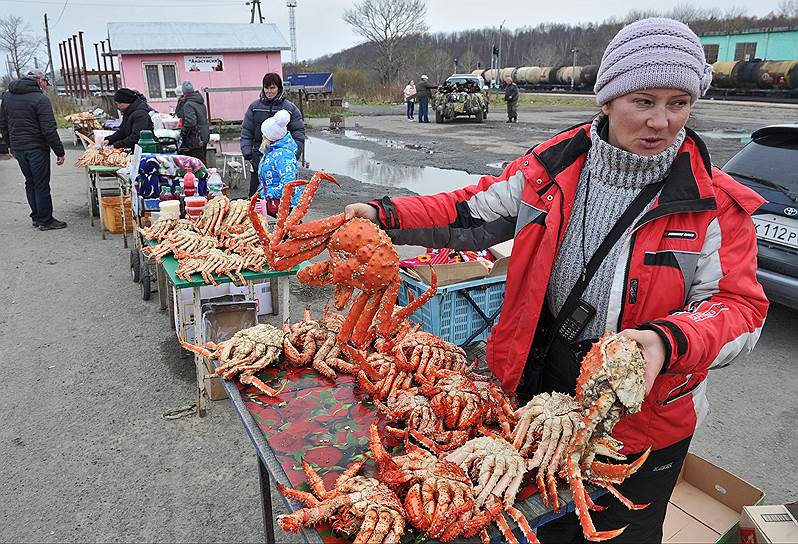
(467, 448)
(221, 242)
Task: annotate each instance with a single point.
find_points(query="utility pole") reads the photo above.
(575, 50)
(49, 51)
(291, 4)
(254, 3)
(499, 61)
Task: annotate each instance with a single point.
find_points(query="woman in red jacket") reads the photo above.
(621, 224)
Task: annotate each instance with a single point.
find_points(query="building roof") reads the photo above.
(195, 37)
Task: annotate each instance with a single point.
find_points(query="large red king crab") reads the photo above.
(609, 386)
(362, 257)
(358, 506)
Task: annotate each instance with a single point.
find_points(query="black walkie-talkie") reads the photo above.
(576, 321)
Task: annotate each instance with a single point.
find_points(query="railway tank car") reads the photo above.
(777, 78)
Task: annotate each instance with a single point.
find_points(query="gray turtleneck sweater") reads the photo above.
(614, 177)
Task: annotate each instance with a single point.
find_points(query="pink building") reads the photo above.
(224, 61)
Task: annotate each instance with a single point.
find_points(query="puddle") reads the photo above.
(359, 164)
(743, 137)
(385, 142)
(321, 154)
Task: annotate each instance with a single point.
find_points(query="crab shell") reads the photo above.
(614, 361)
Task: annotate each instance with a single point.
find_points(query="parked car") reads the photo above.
(768, 165)
(461, 94)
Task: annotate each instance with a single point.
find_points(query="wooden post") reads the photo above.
(111, 59)
(49, 51)
(73, 61)
(105, 67)
(64, 71)
(99, 77)
(85, 71)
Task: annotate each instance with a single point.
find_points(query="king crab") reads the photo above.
(361, 257)
(610, 385)
(358, 505)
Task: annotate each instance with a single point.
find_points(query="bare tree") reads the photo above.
(788, 8)
(385, 23)
(16, 37)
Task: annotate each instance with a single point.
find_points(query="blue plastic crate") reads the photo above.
(449, 314)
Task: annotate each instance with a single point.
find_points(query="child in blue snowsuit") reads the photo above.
(278, 165)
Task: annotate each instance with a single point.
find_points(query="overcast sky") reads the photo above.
(320, 29)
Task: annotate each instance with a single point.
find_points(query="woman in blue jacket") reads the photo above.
(278, 165)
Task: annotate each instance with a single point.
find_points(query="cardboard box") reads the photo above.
(769, 524)
(706, 504)
(448, 274)
(263, 295)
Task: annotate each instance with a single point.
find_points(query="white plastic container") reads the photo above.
(170, 208)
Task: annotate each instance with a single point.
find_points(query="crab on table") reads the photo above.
(609, 386)
(357, 505)
(314, 342)
(378, 374)
(361, 255)
(248, 352)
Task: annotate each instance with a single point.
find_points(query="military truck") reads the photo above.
(461, 94)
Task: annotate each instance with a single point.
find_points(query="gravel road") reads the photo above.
(90, 367)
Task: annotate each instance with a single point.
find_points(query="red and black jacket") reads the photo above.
(687, 268)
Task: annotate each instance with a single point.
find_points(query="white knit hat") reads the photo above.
(274, 128)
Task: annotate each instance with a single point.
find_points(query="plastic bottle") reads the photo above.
(189, 184)
(215, 183)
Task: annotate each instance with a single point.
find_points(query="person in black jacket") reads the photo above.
(27, 124)
(196, 131)
(272, 99)
(135, 118)
(511, 97)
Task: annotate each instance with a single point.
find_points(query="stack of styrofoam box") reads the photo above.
(185, 298)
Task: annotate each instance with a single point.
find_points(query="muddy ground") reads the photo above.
(90, 367)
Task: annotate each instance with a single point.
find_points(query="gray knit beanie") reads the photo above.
(653, 53)
(187, 87)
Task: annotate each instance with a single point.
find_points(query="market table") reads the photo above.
(327, 424)
(279, 283)
(94, 175)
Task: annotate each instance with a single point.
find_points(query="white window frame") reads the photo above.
(166, 91)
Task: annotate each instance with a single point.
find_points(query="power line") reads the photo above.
(61, 14)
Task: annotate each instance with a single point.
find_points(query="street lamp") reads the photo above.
(575, 50)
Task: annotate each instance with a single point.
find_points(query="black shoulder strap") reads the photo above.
(635, 208)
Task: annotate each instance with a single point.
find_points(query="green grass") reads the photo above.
(544, 100)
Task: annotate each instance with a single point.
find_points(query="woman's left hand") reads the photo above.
(653, 353)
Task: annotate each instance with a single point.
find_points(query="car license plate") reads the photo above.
(777, 229)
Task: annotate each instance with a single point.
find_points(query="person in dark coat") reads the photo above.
(511, 97)
(272, 99)
(27, 124)
(135, 118)
(196, 131)
(424, 92)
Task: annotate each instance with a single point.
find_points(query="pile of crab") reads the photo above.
(222, 242)
(467, 448)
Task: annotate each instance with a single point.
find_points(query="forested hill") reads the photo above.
(547, 44)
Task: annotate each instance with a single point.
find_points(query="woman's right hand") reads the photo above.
(360, 209)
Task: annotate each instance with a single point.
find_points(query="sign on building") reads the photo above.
(204, 63)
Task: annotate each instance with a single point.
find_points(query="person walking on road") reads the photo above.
(620, 224)
(511, 97)
(410, 98)
(195, 132)
(135, 118)
(272, 99)
(424, 93)
(27, 124)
